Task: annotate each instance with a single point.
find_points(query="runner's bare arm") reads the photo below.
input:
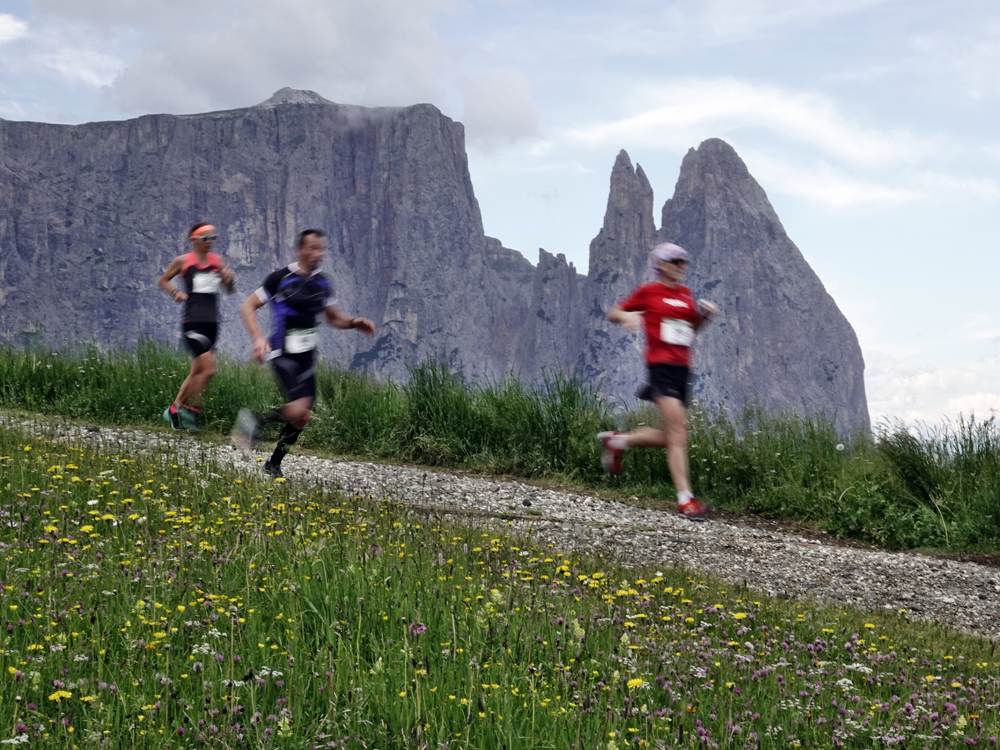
(708, 310)
(172, 270)
(228, 277)
(248, 312)
(631, 320)
(337, 319)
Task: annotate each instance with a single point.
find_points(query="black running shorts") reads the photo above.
(666, 380)
(296, 375)
(200, 337)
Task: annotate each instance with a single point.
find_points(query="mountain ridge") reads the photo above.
(94, 212)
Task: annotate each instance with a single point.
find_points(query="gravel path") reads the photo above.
(959, 594)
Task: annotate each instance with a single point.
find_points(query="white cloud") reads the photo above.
(937, 185)
(134, 14)
(689, 111)
(738, 20)
(11, 28)
(929, 392)
(834, 188)
(73, 53)
(12, 110)
(988, 334)
(498, 108)
(666, 29)
(979, 404)
(378, 53)
(970, 58)
(541, 147)
(82, 65)
(825, 185)
(383, 52)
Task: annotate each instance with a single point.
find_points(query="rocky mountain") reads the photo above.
(782, 342)
(90, 215)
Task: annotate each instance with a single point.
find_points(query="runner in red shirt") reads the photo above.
(668, 313)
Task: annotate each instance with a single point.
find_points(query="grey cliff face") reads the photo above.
(553, 332)
(91, 215)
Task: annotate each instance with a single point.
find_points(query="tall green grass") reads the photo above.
(900, 488)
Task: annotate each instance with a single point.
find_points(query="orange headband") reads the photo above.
(202, 231)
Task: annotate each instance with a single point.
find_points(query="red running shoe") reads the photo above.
(610, 457)
(693, 510)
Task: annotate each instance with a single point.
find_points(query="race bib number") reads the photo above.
(678, 332)
(205, 283)
(299, 340)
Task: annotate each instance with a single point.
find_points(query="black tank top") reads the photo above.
(201, 283)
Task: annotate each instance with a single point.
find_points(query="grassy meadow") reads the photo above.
(900, 488)
(150, 605)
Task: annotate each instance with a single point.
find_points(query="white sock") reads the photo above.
(683, 498)
(618, 442)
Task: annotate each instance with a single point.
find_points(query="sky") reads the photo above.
(869, 123)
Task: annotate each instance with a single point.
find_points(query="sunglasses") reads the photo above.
(207, 238)
(678, 262)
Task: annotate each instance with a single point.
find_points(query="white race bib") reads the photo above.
(299, 340)
(205, 283)
(674, 331)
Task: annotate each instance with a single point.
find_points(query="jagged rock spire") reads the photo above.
(617, 263)
(781, 341)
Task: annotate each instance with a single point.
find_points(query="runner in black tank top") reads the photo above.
(201, 273)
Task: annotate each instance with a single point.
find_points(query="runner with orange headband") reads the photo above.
(202, 272)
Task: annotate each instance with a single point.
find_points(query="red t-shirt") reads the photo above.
(670, 317)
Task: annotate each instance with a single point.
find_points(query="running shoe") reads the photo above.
(173, 417)
(273, 470)
(245, 430)
(610, 457)
(694, 510)
(190, 417)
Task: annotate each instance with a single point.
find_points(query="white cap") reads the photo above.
(666, 252)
